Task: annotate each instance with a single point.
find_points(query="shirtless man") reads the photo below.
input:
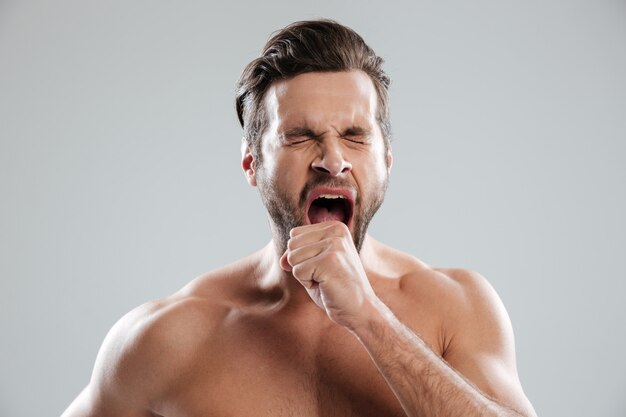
(325, 320)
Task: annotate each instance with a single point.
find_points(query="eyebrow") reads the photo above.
(356, 131)
(300, 131)
(308, 132)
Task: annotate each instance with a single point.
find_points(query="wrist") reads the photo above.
(373, 312)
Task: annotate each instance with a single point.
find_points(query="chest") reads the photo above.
(278, 372)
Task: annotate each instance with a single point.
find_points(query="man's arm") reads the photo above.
(323, 258)
(481, 351)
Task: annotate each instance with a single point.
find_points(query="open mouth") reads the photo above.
(329, 207)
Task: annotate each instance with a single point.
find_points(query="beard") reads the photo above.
(286, 214)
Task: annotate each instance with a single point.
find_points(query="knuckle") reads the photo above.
(336, 242)
(297, 271)
(335, 257)
(291, 243)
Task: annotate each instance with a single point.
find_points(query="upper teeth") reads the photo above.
(330, 196)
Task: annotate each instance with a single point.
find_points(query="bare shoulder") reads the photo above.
(458, 290)
(476, 312)
(475, 332)
(151, 349)
(152, 346)
(467, 306)
(155, 342)
(417, 279)
(473, 290)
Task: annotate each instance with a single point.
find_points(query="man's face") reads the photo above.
(323, 154)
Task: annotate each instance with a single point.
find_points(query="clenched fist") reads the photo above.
(322, 257)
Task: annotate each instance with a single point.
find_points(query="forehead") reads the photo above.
(322, 99)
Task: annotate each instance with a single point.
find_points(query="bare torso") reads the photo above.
(275, 353)
(233, 344)
(283, 366)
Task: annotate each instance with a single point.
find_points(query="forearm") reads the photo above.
(424, 383)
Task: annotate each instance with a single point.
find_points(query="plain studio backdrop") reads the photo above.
(120, 171)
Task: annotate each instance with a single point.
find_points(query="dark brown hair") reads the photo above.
(307, 46)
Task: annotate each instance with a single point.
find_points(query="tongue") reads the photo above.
(319, 214)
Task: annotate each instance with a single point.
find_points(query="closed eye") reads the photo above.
(357, 135)
(356, 139)
(299, 135)
(298, 140)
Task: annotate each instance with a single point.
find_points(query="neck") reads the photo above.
(271, 277)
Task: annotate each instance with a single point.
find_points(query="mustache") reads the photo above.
(318, 181)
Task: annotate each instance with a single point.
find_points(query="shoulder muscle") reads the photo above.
(481, 345)
(144, 354)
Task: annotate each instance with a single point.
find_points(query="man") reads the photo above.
(325, 320)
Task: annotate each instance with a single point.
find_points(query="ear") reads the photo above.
(247, 163)
(389, 160)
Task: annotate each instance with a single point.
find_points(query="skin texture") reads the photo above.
(309, 325)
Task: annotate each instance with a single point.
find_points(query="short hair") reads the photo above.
(307, 46)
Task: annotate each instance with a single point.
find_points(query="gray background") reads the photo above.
(120, 178)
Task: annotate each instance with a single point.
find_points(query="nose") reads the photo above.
(331, 161)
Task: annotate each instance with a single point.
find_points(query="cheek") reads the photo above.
(377, 163)
(287, 170)
(375, 178)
